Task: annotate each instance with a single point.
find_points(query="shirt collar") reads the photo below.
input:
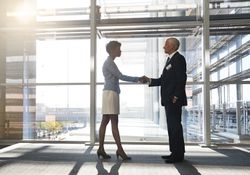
(172, 54)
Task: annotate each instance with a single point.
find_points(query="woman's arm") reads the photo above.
(116, 72)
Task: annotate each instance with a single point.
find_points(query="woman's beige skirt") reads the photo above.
(110, 102)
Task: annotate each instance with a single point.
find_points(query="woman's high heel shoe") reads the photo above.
(123, 156)
(103, 154)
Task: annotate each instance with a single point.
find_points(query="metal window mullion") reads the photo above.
(93, 72)
(206, 74)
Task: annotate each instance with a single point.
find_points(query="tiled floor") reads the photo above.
(72, 159)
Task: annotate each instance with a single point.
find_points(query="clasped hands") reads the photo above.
(144, 79)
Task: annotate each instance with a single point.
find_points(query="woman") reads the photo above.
(110, 99)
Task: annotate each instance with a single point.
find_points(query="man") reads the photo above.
(173, 97)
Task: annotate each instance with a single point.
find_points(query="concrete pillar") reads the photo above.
(206, 73)
(94, 17)
(213, 118)
(224, 117)
(238, 116)
(2, 68)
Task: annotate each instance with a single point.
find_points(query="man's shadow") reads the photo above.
(113, 171)
(186, 168)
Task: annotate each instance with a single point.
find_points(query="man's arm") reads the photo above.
(155, 82)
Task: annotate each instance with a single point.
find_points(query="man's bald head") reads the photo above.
(174, 43)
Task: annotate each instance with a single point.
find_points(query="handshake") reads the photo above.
(144, 79)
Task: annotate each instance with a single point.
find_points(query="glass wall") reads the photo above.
(230, 96)
(62, 72)
(46, 77)
(229, 99)
(45, 83)
(142, 118)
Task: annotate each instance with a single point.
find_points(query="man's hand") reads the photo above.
(174, 99)
(144, 79)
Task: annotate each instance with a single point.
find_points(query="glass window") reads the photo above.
(62, 61)
(232, 47)
(145, 8)
(246, 63)
(223, 73)
(232, 69)
(62, 10)
(229, 7)
(214, 58)
(223, 53)
(214, 76)
(245, 38)
(246, 92)
(232, 94)
(51, 67)
(214, 97)
(62, 113)
(141, 117)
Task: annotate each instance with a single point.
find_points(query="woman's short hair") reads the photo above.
(112, 45)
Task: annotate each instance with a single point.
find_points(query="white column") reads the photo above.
(93, 17)
(2, 70)
(206, 73)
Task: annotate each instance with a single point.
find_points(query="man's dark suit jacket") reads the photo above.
(173, 81)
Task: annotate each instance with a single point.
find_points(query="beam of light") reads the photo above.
(23, 13)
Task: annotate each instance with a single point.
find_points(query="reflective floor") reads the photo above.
(72, 159)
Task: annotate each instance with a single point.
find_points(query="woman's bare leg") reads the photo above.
(116, 135)
(115, 132)
(102, 131)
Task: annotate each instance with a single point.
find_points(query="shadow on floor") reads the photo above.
(45, 154)
(223, 157)
(3, 146)
(114, 170)
(185, 168)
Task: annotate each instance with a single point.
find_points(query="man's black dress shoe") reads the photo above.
(166, 157)
(172, 160)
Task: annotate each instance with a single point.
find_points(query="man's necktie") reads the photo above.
(168, 60)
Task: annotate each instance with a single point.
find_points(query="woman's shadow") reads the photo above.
(113, 171)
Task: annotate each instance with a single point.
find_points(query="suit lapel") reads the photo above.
(173, 57)
(170, 61)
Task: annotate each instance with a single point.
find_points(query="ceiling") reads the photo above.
(227, 17)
